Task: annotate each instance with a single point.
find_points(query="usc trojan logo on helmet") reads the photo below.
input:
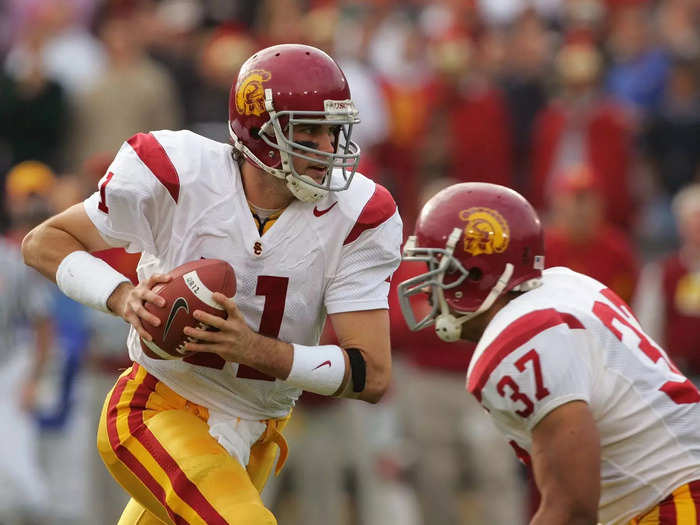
(250, 96)
(486, 231)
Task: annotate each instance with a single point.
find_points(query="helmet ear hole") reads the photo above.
(475, 274)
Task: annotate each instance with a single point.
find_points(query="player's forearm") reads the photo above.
(46, 246)
(376, 382)
(365, 335)
(270, 356)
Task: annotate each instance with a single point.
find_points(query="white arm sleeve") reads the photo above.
(366, 265)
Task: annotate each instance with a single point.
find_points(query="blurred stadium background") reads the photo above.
(590, 108)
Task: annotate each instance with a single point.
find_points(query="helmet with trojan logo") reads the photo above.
(479, 241)
(284, 86)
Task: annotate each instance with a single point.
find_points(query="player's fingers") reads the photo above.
(145, 315)
(134, 321)
(211, 320)
(152, 297)
(194, 346)
(228, 303)
(203, 335)
(157, 278)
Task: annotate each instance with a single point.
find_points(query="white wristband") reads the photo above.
(318, 369)
(87, 279)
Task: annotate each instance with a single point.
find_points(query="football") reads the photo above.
(191, 288)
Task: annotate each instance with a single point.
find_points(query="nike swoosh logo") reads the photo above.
(179, 303)
(323, 364)
(318, 212)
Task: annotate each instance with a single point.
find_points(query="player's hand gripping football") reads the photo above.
(128, 302)
(233, 340)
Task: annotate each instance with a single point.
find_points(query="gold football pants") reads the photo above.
(157, 445)
(681, 507)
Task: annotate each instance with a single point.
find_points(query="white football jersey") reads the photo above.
(573, 339)
(176, 197)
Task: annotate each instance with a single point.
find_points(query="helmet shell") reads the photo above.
(498, 227)
(301, 78)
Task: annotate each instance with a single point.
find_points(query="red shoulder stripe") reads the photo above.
(378, 209)
(156, 159)
(514, 336)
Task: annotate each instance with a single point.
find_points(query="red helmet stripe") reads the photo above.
(156, 159)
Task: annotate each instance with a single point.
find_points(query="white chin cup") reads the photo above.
(448, 327)
(304, 191)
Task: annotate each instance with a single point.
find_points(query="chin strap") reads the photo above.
(304, 191)
(300, 189)
(449, 327)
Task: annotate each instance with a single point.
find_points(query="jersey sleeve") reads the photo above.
(370, 254)
(136, 198)
(533, 366)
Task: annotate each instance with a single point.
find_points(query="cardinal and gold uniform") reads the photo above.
(177, 197)
(574, 339)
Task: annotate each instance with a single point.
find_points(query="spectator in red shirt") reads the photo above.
(583, 127)
(579, 237)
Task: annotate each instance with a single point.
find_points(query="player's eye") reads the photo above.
(306, 129)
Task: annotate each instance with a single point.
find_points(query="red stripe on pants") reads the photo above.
(125, 456)
(181, 484)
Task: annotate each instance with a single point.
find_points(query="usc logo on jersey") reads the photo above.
(486, 231)
(250, 96)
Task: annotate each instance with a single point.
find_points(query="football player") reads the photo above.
(193, 440)
(608, 424)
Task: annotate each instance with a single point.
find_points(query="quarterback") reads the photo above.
(608, 424)
(193, 440)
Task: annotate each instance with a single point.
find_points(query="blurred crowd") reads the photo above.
(589, 108)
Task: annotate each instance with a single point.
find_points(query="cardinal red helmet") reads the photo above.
(287, 85)
(479, 240)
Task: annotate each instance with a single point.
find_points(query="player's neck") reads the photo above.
(473, 329)
(263, 190)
